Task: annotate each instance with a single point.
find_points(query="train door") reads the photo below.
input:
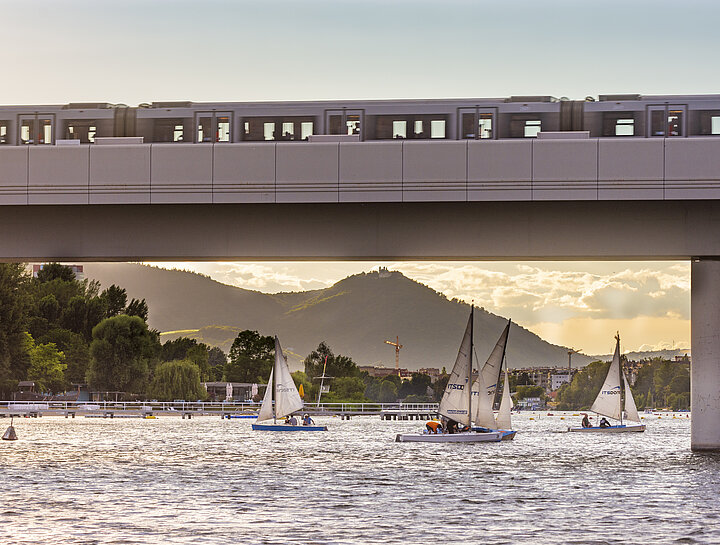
(345, 122)
(213, 126)
(667, 120)
(477, 123)
(36, 129)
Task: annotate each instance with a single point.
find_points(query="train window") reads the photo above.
(476, 124)
(335, 124)
(344, 122)
(399, 129)
(437, 128)
(36, 130)
(288, 131)
(223, 128)
(269, 131)
(666, 122)
(306, 129)
(532, 128)
(353, 124)
(82, 130)
(168, 130)
(624, 127)
(418, 129)
(4, 139)
(714, 125)
(204, 129)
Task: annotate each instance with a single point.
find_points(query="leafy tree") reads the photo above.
(179, 379)
(47, 367)
(337, 366)
(119, 354)
(137, 307)
(55, 271)
(417, 386)
(14, 305)
(524, 392)
(251, 358)
(388, 391)
(216, 360)
(346, 389)
(115, 299)
(582, 391)
(309, 389)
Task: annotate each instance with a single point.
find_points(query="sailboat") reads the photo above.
(287, 398)
(456, 403)
(484, 395)
(609, 400)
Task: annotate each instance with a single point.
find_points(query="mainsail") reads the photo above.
(493, 366)
(608, 401)
(287, 398)
(506, 405)
(455, 403)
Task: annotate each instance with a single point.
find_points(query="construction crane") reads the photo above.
(571, 351)
(397, 346)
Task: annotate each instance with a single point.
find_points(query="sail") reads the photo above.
(503, 417)
(266, 409)
(481, 405)
(455, 403)
(287, 398)
(630, 408)
(493, 366)
(608, 400)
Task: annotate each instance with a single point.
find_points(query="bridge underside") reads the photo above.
(557, 230)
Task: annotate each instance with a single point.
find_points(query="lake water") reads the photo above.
(213, 481)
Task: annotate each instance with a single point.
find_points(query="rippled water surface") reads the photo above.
(212, 481)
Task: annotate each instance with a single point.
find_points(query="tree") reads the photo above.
(251, 357)
(388, 391)
(417, 386)
(346, 389)
(216, 360)
(14, 306)
(55, 271)
(115, 299)
(582, 391)
(47, 367)
(119, 354)
(138, 307)
(337, 366)
(179, 379)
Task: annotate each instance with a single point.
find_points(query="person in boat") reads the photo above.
(604, 423)
(586, 422)
(293, 421)
(307, 421)
(434, 427)
(452, 426)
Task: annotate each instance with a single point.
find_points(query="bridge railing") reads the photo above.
(208, 406)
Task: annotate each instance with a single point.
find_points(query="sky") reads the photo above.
(135, 51)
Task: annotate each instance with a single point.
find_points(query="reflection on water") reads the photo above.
(213, 481)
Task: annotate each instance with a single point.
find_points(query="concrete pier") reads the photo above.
(705, 342)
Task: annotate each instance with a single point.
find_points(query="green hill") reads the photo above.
(355, 316)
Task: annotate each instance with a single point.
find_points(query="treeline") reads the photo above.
(659, 384)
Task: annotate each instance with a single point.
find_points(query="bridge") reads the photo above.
(560, 196)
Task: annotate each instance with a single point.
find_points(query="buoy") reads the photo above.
(10, 434)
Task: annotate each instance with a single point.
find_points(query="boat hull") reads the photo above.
(611, 429)
(287, 427)
(507, 435)
(464, 437)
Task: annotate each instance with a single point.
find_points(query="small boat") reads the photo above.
(287, 398)
(457, 401)
(609, 401)
(10, 434)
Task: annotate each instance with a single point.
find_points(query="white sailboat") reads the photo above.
(287, 398)
(490, 373)
(609, 400)
(456, 403)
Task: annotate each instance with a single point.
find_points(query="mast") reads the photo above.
(497, 382)
(620, 373)
(469, 382)
(277, 343)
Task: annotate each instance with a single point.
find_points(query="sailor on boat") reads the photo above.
(586, 421)
(307, 421)
(434, 427)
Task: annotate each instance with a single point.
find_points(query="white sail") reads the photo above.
(266, 409)
(455, 403)
(506, 405)
(287, 397)
(630, 407)
(608, 401)
(481, 405)
(493, 366)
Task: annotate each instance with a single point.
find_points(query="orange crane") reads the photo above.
(397, 346)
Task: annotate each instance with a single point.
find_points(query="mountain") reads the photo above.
(354, 316)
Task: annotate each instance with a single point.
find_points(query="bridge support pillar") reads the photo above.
(705, 367)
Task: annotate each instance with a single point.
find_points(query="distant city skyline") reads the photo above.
(576, 304)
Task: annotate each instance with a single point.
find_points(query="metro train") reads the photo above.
(627, 115)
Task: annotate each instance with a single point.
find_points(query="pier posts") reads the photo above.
(705, 342)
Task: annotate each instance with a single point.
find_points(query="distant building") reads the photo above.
(241, 391)
(432, 372)
(549, 378)
(558, 379)
(380, 372)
